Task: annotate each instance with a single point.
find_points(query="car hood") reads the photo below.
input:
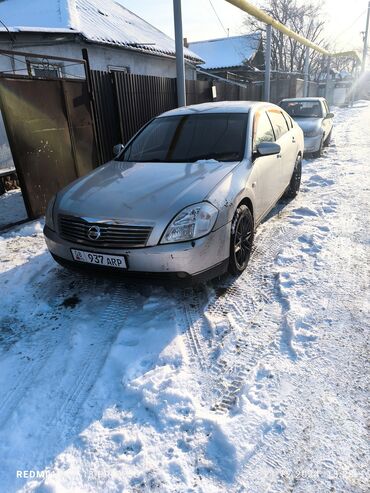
(309, 124)
(141, 193)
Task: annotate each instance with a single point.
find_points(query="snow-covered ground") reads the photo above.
(12, 208)
(256, 384)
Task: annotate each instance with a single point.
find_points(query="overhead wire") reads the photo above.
(218, 17)
(239, 53)
(347, 28)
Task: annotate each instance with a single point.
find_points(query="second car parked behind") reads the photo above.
(314, 118)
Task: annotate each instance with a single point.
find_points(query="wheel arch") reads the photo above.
(248, 202)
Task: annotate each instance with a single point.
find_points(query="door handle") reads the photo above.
(293, 140)
(278, 156)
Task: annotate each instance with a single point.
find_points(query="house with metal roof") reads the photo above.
(115, 38)
(234, 57)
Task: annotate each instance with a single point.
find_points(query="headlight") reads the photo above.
(191, 223)
(49, 220)
(312, 133)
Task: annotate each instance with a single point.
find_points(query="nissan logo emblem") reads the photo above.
(94, 233)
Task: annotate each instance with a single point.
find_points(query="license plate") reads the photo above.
(99, 259)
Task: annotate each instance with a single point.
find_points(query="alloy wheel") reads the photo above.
(243, 240)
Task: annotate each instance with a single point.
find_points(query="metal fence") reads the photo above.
(105, 113)
(123, 103)
(140, 98)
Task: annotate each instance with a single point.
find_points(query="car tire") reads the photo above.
(328, 139)
(241, 240)
(318, 153)
(295, 181)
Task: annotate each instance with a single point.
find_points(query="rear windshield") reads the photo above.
(302, 109)
(189, 138)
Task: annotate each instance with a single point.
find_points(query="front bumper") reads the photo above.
(186, 259)
(312, 144)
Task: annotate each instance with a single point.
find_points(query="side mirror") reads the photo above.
(268, 148)
(117, 149)
(330, 115)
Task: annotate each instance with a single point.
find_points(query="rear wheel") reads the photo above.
(295, 181)
(241, 240)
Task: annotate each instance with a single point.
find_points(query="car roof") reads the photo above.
(304, 99)
(217, 107)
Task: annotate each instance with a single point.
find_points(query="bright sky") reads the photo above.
(345, 18)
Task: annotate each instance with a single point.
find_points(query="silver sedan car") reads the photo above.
(314, 118)
(184, 196)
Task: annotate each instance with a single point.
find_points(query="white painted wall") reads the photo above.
(101, 57)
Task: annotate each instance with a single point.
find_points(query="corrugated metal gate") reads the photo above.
(50, 132)
(198, 91)
(105, 113)
(140, 98)
(124, 102)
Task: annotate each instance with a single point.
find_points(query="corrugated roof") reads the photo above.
(100, 21)
(227, 52)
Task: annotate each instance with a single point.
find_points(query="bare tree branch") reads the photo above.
(306, 19)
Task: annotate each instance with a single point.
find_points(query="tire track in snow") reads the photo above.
(255, 321)
(192, 302)
(13, 396)
(37, 354)
(77, 384)
(235, 310)
(197, 335)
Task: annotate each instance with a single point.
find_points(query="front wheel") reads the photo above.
(241, 241)
(318, 153)
(295, 181)
(328, 139)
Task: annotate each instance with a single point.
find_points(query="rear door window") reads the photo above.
(278, 122)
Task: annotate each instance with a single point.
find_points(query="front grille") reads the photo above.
(112, 235)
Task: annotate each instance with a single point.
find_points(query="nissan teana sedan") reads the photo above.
(315, 119)
(184, 196)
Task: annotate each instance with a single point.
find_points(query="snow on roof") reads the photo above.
(227, 52)
(99, 21)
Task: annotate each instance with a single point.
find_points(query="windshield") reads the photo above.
(302, 109)
(189, 138)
